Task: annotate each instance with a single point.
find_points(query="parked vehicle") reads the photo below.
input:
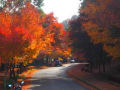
(72, 61)
(58, 63)
(16, 86)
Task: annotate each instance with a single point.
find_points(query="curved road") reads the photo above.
(54, 78)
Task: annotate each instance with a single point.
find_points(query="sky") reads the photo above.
(62, 9)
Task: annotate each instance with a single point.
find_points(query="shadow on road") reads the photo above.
(57, 83)
(54, 78)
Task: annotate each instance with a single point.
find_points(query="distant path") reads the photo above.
(54, 78)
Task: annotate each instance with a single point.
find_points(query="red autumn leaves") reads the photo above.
(26, 33)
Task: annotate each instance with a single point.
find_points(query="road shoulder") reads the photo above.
(90, 80)
(28, 75)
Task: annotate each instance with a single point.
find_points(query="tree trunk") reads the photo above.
(99, 68)
(104, 69)
(12, 71)
(91, 67)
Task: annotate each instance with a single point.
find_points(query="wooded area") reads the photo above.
(27, 32)
(95, 34)
(29, 36)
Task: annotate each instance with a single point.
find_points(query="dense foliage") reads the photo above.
(27, 32)
(95, 34)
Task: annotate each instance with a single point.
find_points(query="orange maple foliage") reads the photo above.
(103, 24)
(24, 34)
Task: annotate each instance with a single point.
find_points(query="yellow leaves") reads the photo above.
(59, 58)
(67, 52)
(92, 30)
(101, 18)
(113, 51)
(33, 44)
(38, 32)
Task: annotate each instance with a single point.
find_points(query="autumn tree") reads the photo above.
(82, 45)
(21, 35)
(14, 40)
(103, 23)
(80, 41)
(54, 37)
(15, 5)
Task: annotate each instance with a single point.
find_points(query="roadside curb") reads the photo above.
(82, 80)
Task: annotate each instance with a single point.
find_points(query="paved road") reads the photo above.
(54, 78)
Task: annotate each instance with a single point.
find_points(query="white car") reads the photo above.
(72, 61)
